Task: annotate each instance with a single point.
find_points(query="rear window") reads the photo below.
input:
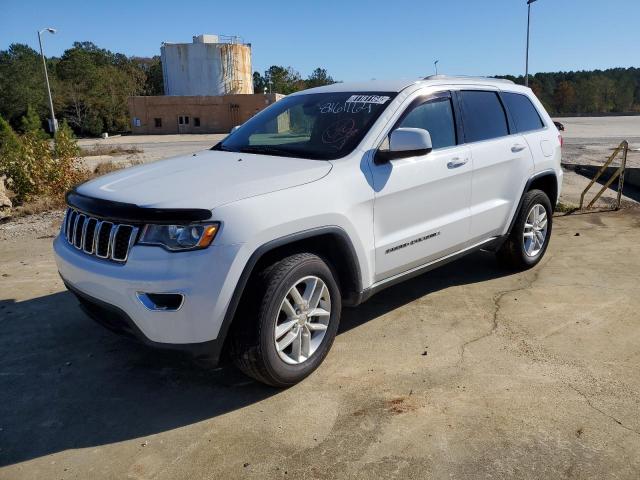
(522, 111)
(483, 116)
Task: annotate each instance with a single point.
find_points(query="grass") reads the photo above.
(109, 150)
(562, 207)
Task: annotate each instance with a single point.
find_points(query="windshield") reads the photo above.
(316, 125)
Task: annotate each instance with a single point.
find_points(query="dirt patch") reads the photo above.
(400, 405)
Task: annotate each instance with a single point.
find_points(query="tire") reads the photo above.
(259, 350)
(520, 252)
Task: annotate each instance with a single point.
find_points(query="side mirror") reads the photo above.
(406, 142)
(235, 128)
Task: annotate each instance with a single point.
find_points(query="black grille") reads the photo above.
(121, 242)
(103, 239)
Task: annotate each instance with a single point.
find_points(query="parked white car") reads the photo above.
(252, 248)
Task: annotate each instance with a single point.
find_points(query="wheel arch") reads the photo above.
(331, 243)
(547, 181)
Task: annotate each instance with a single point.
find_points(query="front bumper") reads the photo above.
(206, 278)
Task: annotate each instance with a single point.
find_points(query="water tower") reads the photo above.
(211, 65)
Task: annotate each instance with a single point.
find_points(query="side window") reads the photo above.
(483, 116)
(522, 111)
(436, 116)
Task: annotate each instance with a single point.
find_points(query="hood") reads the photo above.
(204, 180)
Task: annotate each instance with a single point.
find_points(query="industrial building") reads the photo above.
(195, 114)
(208, 86)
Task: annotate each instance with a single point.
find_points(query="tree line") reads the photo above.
(616, 90)
(90, 87)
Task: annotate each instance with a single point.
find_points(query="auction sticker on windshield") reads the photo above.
(378, 99)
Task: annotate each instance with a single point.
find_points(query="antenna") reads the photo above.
(435, 64)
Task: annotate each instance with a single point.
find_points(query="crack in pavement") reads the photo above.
(497, 298)
(592, 406)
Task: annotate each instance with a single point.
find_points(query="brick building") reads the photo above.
(194, 114)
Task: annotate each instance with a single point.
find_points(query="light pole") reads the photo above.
(526, 74)
(435, 64)
(46, 77)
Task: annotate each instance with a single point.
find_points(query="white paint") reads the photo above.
(420, 201)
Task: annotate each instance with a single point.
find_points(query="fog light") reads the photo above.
(161, 301)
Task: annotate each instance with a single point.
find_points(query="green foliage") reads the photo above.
(286, 80)
(21, 82)
(96, 85)
(90, 86)
(599, 91)
(12, 165)
(31, 122)
(318, 78)
(36, 166)
(152, 68)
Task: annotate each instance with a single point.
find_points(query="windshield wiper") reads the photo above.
(270, 150)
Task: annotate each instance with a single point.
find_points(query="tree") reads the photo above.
(564, 97)
(96, 85)
(318, 78)
(259, 83)
(31, 122)
(21, 82)
(283, 80)
(152, 69)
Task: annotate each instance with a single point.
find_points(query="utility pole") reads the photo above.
(526, 74)
(54, 126)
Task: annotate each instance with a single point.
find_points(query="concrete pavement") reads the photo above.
(467, 372)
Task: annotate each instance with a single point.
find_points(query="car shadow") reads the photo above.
(477, 267)
(66, 383)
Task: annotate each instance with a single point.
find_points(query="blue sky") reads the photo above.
(352, 39)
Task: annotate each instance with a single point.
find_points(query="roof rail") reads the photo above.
(463, 77)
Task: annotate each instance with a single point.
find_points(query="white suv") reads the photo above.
(252, 248)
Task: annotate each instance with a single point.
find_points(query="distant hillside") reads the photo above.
(616, 90)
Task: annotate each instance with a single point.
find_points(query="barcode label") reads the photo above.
(377, 99)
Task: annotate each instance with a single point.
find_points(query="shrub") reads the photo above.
(35, 166)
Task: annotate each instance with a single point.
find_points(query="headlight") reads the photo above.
(180, 237)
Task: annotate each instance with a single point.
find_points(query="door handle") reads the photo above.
(517, 148)
(457, 162)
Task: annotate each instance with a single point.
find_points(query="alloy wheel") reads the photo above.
(535, 230)
(302, 320)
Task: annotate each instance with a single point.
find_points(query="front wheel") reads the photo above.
(297, 320)
(529, 238)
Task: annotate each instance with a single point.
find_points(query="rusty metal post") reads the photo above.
(621, 178)
(624, 146)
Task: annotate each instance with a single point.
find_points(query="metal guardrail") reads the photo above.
(619, 174)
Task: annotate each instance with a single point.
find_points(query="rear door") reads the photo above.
(501, 159)
(421, 209)
(543, 141)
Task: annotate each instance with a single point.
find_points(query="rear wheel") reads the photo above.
(529, 238)
(298, 314)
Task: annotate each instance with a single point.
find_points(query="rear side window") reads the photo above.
(483, 116)
(436, 116)
(522, 111)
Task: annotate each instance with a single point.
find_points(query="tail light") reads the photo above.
(561, 140)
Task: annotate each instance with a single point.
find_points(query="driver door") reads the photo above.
(422, 203)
